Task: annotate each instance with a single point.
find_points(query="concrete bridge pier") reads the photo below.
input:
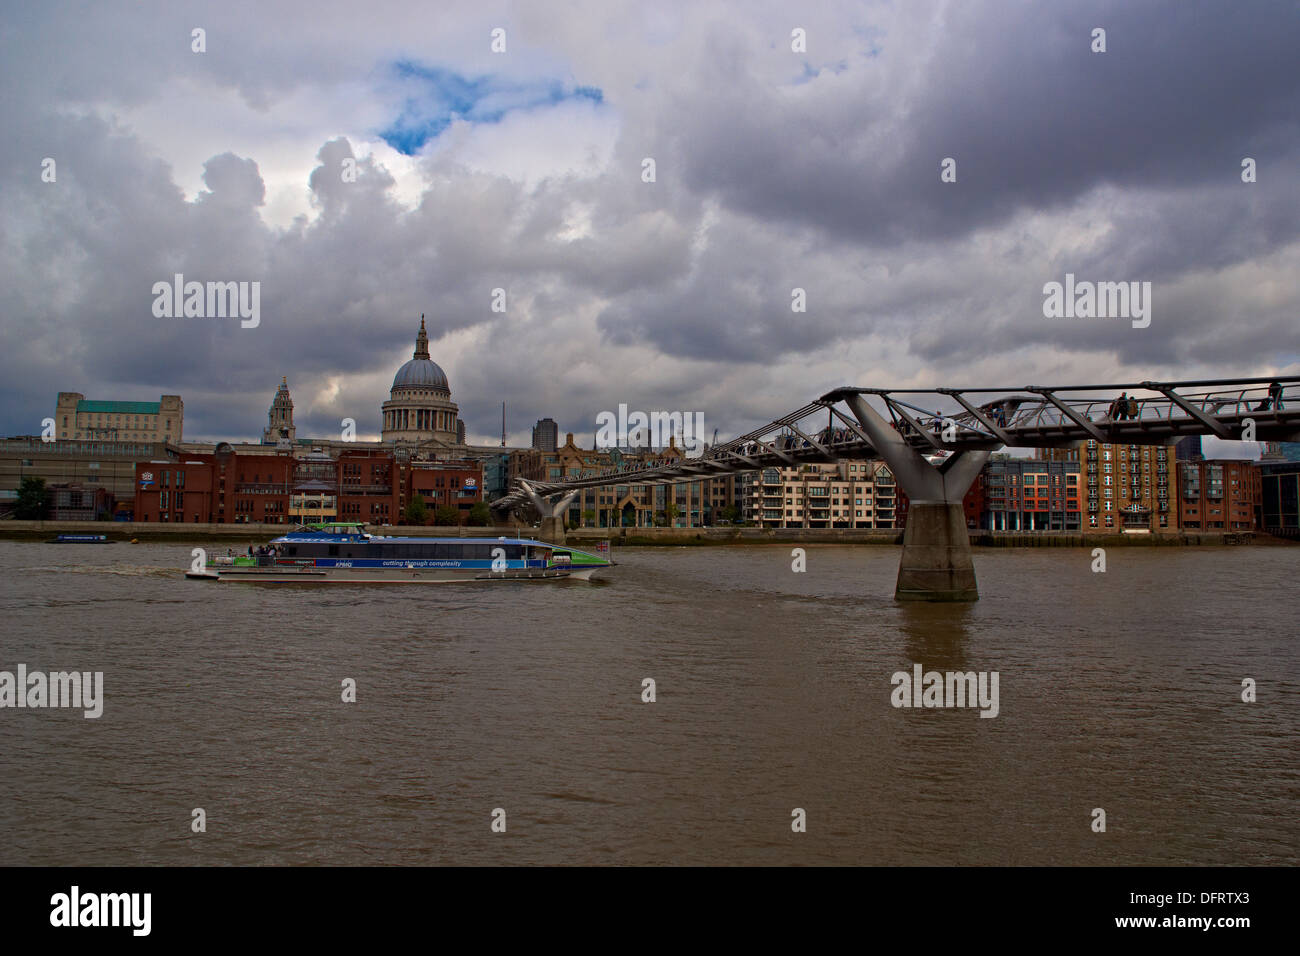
(936, 564)
(551, 529)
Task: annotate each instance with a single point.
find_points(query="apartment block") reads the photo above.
(845, 494)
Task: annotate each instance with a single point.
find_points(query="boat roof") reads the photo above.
(325, 537)
(340, 531)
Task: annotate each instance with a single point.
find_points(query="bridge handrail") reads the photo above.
(1041, 413)
(1011, 412)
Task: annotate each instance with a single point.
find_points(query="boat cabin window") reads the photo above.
(412, 551)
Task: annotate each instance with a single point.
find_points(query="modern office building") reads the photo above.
(546, 435)
(1027, 494)
(1279, 497)
(496, 476)
(1188, 449)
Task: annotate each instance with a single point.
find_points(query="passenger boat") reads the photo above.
(345, 553)
(80, 539)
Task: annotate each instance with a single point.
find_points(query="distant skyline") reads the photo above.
(522, 170)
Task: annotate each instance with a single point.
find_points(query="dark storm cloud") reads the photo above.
(1036, 121)
(774, 171)
(1031, 115)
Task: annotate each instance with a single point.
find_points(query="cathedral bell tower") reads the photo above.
(280, 427)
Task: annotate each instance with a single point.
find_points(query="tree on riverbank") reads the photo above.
(416, 513)
(33, 502)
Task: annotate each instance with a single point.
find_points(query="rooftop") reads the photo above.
(118, 408)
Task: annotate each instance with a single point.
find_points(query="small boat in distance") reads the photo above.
(345, 553)
(80, 539)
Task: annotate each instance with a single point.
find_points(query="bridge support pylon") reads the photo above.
(936, 564)
(551, 529)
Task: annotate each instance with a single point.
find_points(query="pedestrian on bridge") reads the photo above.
(1274, 398)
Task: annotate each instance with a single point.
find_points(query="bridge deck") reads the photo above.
(1153, 413)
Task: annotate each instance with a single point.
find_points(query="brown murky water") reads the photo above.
(1119, 690)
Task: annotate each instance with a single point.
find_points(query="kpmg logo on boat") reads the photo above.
(948, 689)
(213, 300)
(624, 429)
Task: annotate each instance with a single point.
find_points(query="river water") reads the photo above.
(1118, 690)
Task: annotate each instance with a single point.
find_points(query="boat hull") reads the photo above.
(312, 575)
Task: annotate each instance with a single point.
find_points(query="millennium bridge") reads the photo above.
(937, 440)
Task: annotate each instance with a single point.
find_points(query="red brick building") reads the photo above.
(1218, 495)
(257, 486)
(366, 479)
(371, 485)
(175, 490)
(447, 484)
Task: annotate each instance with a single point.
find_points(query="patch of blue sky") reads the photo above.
(809, 73)
(435, 97)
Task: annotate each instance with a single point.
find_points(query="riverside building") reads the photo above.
(1126, 487)
(844, 494)
(364, 484)
(91, 465)
(1024, 494)
(1279, 482)
(687, 504)
(1218, 495)
(76, 417)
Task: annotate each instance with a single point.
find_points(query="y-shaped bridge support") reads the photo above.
(936, 564)
(552, 512)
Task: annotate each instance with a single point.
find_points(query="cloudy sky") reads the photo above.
(522, 170)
